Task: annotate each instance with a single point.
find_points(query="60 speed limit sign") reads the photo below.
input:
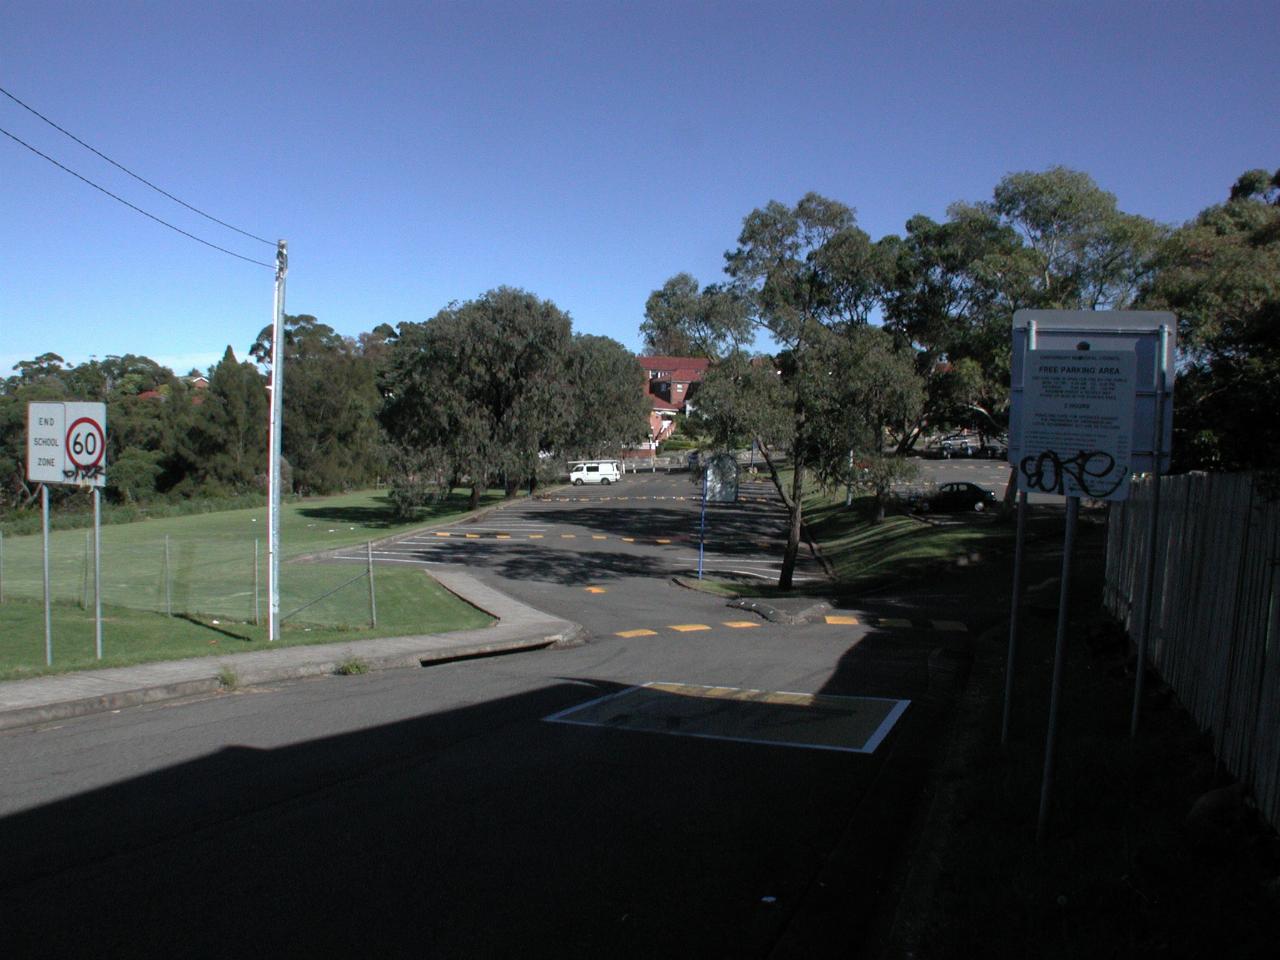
(86, 443)
(67, 443)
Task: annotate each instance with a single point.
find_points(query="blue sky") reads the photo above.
(418, 153)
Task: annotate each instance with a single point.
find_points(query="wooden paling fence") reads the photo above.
(1215, 636)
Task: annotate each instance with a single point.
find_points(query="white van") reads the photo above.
(595, 471)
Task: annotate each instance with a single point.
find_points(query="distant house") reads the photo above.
(672, 382)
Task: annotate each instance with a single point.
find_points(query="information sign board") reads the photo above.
(46, 431)
(1077, 424)
(722, 479)
(67, 443)
(1148, 334)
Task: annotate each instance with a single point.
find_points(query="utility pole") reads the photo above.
(273, 464)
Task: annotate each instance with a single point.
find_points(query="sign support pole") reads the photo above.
(97, 571)
(1059, 663)
(273, 464)
(44, 528)
(702, 536)
(1015, 602)
(1157, 456)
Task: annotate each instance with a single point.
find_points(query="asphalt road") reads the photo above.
(752, 803)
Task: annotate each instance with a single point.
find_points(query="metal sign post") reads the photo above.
(44, 531)
(1015, 602)
(702, 535)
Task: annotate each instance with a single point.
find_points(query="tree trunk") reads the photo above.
(795, 520)
(474, 502)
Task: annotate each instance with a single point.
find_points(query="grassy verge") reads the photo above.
(1136, 860)
(213, 564)
(409, 602)
(212, 567)
(865, 553)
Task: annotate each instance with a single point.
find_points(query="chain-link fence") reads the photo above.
(212, 575)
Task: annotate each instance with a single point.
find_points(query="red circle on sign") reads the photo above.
(100, 444)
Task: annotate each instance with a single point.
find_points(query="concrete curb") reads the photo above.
(62, 696)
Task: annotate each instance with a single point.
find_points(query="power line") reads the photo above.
(232, 253)
(131, 173)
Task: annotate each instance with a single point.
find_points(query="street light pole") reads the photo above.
(273, 464)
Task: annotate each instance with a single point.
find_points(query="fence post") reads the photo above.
(257, 609)
(373, 602)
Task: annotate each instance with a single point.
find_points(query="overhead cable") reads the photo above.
(232, 253)
(166, 193)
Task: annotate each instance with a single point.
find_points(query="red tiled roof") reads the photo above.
(672, 364)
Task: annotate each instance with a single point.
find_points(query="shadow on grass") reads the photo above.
(195, 621)
(375, 517)
(383, 515)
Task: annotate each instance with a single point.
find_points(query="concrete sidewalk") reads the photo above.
(518, 627)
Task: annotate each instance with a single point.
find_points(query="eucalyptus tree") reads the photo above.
(1051, 239)
(1221, 274)
(682, 320)
(810, 277)
(230, 426)
(604, 406)
(471, 393)
(330, 401)
(949, 296)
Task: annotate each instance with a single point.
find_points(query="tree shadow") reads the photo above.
(197, 622)
(472, 831)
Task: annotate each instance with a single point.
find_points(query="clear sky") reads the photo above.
(416, 153)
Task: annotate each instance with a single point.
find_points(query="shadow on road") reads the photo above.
(478, 831)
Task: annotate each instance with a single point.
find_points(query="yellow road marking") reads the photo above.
(535, 536)
(741, 624)
(598, 536)
(628, 539)
(689, 627)
(504, 536)
(838, 618)
(597, 589)
(636, 633)
(568, 536)
(662, 541)
(441, 533)
(473, 536)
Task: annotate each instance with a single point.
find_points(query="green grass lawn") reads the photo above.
(408, 601)
(864, 552)
(211, 575)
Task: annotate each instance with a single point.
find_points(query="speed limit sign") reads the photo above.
(85, 445)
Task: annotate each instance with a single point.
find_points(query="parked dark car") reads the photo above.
(952, 497)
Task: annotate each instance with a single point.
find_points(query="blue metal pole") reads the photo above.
(702, 537)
